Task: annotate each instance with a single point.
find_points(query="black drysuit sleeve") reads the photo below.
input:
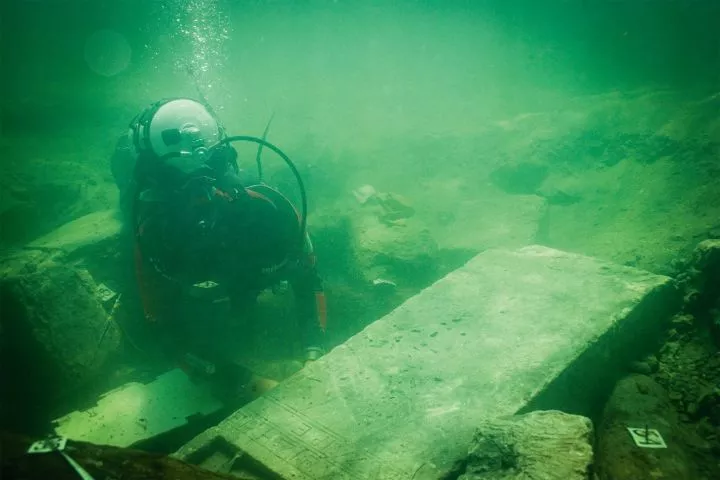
(310, 302)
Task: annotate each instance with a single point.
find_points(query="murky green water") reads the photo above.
(591, 127)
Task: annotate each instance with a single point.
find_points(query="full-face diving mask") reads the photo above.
(179, 133)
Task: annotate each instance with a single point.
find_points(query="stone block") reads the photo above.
(55, 334)
(509, 332)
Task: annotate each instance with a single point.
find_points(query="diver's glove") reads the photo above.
(235, 382)
(195, 366)
(312, 354)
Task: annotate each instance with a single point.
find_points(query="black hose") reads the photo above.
(228, 140)
(258, 157)
(303, 195)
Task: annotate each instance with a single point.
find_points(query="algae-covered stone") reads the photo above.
(52, 324)
(638, 401)
(509, 332)
(85, 231)
(706, 257)
(401, 252)
(544, 444)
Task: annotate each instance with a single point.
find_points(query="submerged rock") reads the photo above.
(364, 194)
(706, 256)
(522, 178)
(394, 207)
(379, 241)
(702, 286)
(638, 401)
(641, 367)
(39, 193)
(56, 335)
(401, 253)
(543, 444)
(87, 231)
(562, 190)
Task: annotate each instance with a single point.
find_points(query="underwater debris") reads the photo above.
(58, 444)
(392, 207)
(108, 324)
(364, 193)
(645, 437)
(101, 461)
(105, 294)
(381, 282)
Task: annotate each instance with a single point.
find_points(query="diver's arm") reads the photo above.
(122, 166)
(310, 301)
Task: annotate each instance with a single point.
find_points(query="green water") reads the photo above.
(354, 84)
(369, 92)
(589, 126)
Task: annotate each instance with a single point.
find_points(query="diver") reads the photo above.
(209, 238)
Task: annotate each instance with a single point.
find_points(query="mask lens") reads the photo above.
(171, 136)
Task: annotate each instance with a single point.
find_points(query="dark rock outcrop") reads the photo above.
(542, 444)
(639, 401)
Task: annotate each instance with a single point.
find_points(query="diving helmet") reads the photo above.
(178, 131)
